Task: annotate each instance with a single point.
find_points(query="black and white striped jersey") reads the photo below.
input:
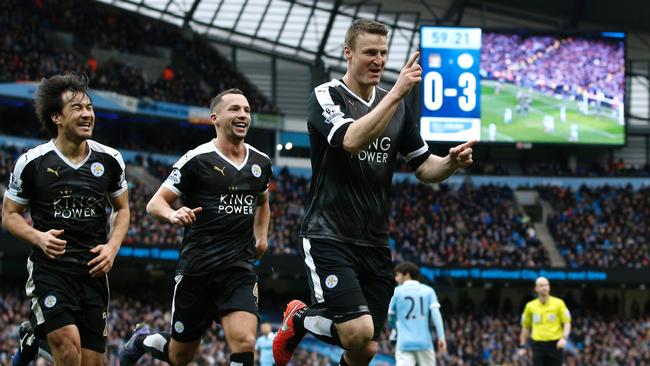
(68, 196)
(349, 193)
(222, 235)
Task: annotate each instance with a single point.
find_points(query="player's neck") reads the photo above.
(72, 150)
(544, 299)
(233, 150)
(363, 91)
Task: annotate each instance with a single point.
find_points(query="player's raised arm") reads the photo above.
(367, 128)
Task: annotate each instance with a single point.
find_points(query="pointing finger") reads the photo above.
(469, 143)
(412, 59)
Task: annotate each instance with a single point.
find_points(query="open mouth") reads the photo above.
(85, 124)
(242, 125)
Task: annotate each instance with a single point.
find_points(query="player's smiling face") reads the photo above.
(233, 116)
(366, 62)
(77, 118)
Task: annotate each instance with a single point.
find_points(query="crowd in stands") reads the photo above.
(196, 73)
(471, 226)
(468, 226)
(473, 338)
(601, 227)
(563, 65)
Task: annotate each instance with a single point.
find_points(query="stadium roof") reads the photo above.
(310, 29)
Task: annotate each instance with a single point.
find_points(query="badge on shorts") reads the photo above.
(97, 169)
(331, 281)
(50, 301)
(256, 170)
(179, 327)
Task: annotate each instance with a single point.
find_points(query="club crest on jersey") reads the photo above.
(331, 281)
(50, 301)
(97, 169)
(256, 170)
(179, 327)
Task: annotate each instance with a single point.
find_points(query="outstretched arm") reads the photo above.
(436, 169)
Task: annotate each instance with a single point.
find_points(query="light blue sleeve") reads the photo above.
(257, 344)
(436, 316)
(391, 311)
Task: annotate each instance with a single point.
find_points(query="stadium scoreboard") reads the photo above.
(522, 87)
(450, 60)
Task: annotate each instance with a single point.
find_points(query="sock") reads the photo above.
(343, 362)
(156, 344)
(241, 359)
(318, 323)
(27, 351)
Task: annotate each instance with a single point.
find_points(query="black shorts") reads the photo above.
(350, 280)
(199, 300)
(59, 299)
(546, 353)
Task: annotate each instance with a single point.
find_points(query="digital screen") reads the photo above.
(522, 87)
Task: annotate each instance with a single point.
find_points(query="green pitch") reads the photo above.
(593, 128)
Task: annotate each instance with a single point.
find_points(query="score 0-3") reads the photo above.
(450, 59)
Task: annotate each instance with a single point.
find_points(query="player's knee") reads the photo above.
(66, 346)
(357, 336)
(243, 343)
(364, 355)
(66, 350)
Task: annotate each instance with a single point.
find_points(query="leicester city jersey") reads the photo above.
(349, 192)
(222, 235)
(71, 197)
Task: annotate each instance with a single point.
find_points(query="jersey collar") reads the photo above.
(224, 157)
(66, 160)
(368, 103)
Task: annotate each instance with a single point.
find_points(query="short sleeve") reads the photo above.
(21, 181)
(526, 317)
(118, 183)
(269, 175)
(328, 114)
(565, 314)
(433, 300)
(412, 146)
(181, 176)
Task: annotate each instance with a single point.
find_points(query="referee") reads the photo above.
(550, 320)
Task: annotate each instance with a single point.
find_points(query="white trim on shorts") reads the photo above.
(309, 261)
